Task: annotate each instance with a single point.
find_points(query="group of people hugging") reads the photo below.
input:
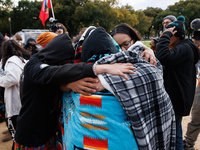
(105, 93)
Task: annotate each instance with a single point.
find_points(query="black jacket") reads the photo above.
(179, 71)
(38, 118)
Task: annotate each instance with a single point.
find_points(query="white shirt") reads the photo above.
(10, 81)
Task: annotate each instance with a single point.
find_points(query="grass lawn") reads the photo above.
(147, 43)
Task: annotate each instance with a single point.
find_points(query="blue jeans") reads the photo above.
(179, 136)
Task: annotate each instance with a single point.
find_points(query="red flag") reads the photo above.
(49, 3)
(44, 13)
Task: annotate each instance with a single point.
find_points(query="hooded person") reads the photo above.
(43, 74)
(132, 99)
(193, 126)
(111, 122)
(179, 72)
(97, 44)
(30, 46)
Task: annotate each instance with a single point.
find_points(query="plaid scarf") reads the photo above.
(144, 99)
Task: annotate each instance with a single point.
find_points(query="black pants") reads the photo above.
(11, 124)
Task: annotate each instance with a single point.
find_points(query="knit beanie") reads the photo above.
(196, 35)
(179, 27)
(44, 38)
(171, 17)
(195, 24)
(57, 50)
(97, 44)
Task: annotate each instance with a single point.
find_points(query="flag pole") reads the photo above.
(52, 10)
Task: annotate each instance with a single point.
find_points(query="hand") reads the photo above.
(171, 30)
(84, 86)
(116, 69)
(100, 86)
(149, 55)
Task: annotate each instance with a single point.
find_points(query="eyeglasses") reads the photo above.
(166, 23)
(126, 44)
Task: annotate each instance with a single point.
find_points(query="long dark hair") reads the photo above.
(11, 48)
(126, 29)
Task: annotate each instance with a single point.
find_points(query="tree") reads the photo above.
(126, 14)
(5, 9)
(64, 12)
(95, 13)
(152, 12)
(189, 9)
(26, 15)
(144, 22)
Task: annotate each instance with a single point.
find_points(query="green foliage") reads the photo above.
(26, 16)
(5, 8)
(189, 9)
(144, 22)
(76, 14)
(126, 16)
(152, 12)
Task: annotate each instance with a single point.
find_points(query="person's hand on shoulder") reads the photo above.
(149, 55)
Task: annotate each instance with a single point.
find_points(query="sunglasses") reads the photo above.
(60, 27)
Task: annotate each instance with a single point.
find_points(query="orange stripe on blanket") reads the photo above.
(97, 144)
(90, 100)
(91, 115)
(89, 126)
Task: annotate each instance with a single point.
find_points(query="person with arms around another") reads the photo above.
(44, 74)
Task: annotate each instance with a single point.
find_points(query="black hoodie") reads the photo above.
(97, 43)
(179, 71)
(38, 118)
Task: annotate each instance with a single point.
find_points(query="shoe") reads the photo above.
(5, 132)
(186, 146)
(6, 138)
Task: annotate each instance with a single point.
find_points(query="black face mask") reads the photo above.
(33, 47)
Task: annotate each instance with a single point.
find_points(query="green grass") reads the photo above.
(147, 43)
